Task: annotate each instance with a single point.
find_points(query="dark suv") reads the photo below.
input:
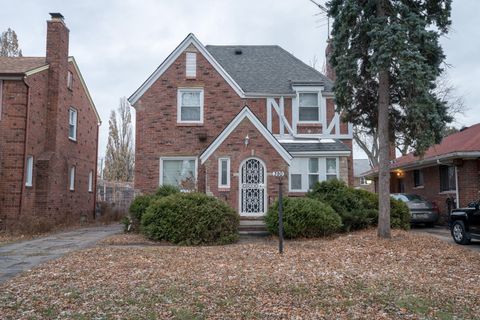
(465, 223)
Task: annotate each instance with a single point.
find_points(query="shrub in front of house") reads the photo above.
(166, 190)
(358, 208)
(190, 219)
(303, 218)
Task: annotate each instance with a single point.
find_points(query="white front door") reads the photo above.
(253, 192)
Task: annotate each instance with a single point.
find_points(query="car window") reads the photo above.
(400, 197)
(414, 197)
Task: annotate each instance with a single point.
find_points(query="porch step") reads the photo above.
(253, 226)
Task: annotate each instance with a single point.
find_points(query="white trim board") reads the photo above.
(246, 113)
(189, 40)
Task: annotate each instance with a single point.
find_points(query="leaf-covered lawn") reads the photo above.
(353, 276)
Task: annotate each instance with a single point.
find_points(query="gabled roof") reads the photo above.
(266, 69)
(246, 113)
(189, 40)
(461, 143)
(20, 65)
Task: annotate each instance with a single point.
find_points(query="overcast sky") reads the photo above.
(118, 44)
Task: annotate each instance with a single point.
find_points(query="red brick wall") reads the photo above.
(158, 133)
(234, 148)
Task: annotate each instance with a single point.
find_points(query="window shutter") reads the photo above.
(191, 69)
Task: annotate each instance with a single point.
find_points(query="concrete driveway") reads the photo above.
(20, 256)
(444, 234)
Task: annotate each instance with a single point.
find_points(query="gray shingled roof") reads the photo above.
(20, 65)
(336, 145)
(266, 69)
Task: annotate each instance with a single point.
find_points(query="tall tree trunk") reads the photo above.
(384, 146)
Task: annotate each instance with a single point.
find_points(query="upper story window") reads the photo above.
(29, 171)
(191, 65)
(69, 80)
(190, 105)
(72, 124)
(308, 107)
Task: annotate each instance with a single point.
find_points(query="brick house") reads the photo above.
(450, 169)
(48, 137)
(361, 166)
(222, 119)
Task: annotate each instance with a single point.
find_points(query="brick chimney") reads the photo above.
(328, 66)
(57, 58)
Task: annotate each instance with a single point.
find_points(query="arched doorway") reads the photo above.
(252, 191)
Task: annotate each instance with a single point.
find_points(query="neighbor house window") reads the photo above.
(309, 110)
(180, 172)
(71, 178)
(364, 181)
(191, 65)
(224, 172)
(90, 181)
(332, 168)
(29, 171)
(417, 178)
(447, 178)
(69, 80)
(72, 124)
(190, 106)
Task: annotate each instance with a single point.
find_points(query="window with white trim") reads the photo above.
(304, 172)
(365, 182)
(191, 65)
(71, 178)
(308, 107)
(331, 168)
(90, 181)
(69, 80)
(29, 171)
(190, 105)
(179, 171)
(224, 172)
(72, 124)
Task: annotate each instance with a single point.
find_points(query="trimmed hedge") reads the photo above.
(190, 219)
(358, 208)
(303, 217)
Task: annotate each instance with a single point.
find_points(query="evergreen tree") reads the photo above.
(9, 44)
(119, 159)
(387, 56)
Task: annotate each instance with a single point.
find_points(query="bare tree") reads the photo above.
(119, 159)
(9, 44)
(446, 91)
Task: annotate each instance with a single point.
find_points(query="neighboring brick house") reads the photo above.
(450, 169)
(48, 137)
(222, 119)
(361, 166)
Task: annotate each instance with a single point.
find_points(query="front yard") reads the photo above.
(352, 276)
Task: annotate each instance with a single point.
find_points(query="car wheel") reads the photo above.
(459, 234)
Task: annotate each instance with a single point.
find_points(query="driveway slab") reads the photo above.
(20, 256)
(444, 234)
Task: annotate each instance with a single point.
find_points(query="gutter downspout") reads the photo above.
(94, 178)
(457, 194)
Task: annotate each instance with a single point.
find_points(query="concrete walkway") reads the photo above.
(443, 233)
(20, 256)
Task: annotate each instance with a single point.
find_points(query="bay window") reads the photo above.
(306, 172)
(190, 105)
(179, 171)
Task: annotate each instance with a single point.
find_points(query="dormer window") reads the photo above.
(309, 110)
(191, 65)
(190, 105)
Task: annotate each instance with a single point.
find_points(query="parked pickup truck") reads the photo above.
(465, 223)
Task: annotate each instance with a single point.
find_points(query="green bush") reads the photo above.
(190, 219)
(358, 208)
(139, 206)
(166, 190)
(303, 217)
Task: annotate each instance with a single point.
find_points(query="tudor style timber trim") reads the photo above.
(189, 40)
(246, 113)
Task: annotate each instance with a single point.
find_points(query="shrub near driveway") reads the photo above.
(303, 217)
(358, 208)
(190, 219)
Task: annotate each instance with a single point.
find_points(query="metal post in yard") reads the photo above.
(279, 175)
